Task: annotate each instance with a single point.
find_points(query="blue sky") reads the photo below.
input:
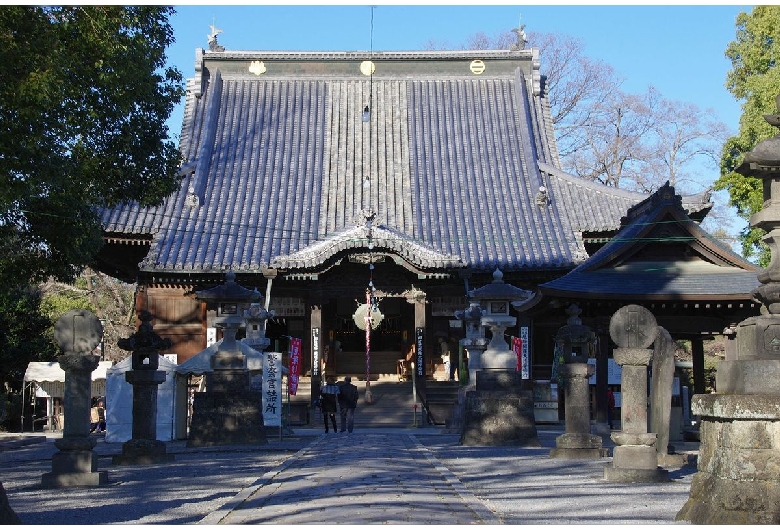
(677, 49)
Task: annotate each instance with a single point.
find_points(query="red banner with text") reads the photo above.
(517, 347)
(295, 365)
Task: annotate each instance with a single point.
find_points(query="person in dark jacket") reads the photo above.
(328, 396)
(348, 398)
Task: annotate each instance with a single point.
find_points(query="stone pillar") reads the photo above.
(731, 344)
(737, 480)
(633, 328)
(661, 396)
(575, 339)
(144, 447)
(697, 354)
(78, 332)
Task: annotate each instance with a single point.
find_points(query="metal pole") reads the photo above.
(21, 429)
(369, 396)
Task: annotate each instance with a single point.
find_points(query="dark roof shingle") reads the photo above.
(278, 163)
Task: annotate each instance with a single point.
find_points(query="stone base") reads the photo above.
(71, 480)
(626, 475)
(635, 463)
(227, 419)
(737, 479)
(142, 452)
(498, 417)
(577, 446)
(73, 468)
(758, 376)
(717, 500)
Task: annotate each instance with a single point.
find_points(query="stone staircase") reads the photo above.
(441, 397)
(392, 404)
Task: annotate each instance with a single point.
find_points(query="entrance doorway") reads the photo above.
(346, 342)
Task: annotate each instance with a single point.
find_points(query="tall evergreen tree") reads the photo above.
(754, 79)
(84, 100)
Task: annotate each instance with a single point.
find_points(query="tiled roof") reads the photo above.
(598, 207)
(279, 166)
(659, 253)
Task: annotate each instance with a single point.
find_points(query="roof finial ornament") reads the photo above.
(369, 214)
(519, 31)
(212, 37)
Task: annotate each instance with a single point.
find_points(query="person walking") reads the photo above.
(348, 398)
(328, 395)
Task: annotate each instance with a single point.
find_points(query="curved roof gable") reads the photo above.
(660, 253)
(365, 239)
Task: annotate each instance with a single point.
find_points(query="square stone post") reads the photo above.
(78, 332)
(577, 441)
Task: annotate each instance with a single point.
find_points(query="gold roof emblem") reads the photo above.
(367, 67)
(477, 66)
(257, 67)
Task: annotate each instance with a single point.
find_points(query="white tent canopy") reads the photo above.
(119, 402)
(50, 378)
(47, 380)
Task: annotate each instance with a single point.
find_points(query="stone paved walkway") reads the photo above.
(379, 476)
(360, 479)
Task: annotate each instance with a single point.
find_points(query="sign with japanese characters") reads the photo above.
(295, 365)
(272, 389)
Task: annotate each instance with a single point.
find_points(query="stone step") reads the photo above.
(393, 404)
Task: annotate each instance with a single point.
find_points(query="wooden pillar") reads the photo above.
(697, 349)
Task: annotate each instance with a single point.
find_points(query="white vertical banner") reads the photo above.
(272, 389)
(211, 336)
(526, 366)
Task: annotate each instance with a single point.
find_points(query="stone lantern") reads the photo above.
(229, 363)
(475, 342)
(737, 480)
(496, 298)
(499, 410)
(229, 411)
(145, 346)
(575, 340)
(256, 317)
